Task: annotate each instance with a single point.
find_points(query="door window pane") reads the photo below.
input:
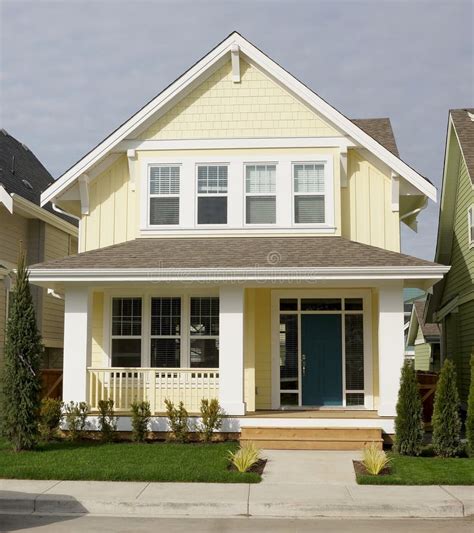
(354, 344)
(353, 304)
(321, 304)
(288, 352)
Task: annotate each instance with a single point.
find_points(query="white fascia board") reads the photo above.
(412, 327)
(28, 209)
(276, 72)
(240, 274)
(6, 199)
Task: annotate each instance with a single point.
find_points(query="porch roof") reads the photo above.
(230, 253)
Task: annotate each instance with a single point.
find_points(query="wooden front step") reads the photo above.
(275, 438)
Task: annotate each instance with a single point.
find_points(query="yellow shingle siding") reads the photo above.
(255, 107)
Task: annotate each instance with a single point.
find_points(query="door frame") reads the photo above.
(366, 295)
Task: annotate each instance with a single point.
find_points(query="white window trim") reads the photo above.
(365, 294)
(236, 195)
(255, 194)
(297, 194)
(149, 196)
(470, 224)
(146, 296)
(210, 195)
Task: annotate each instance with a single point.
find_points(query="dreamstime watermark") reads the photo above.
(274, 258)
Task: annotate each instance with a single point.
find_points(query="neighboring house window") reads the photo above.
(165, 332)
(164, 195)
(309, 193)
(126, 332)
(204, 332)
(212, 194)
(260, 189)
(470, 215)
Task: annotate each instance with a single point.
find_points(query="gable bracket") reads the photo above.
(84, 193)
(343, 167)
(235, 55)
(132, 158)
(395, 192)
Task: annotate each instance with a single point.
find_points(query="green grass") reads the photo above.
(123, 461)
(424, 471)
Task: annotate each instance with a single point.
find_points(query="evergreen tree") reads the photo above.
(446, 418)
(20, 376)
(470, 413)
(409, 420)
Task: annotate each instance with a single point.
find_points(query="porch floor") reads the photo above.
(314, 413)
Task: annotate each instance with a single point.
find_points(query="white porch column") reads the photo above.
(77, 343)
(391, 346)
(231, 350)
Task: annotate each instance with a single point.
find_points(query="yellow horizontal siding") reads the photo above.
(255, 107)
(13, 235)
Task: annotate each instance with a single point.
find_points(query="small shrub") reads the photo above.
(177, 421)
(409, 420)
(107, 420)
(76, 419)
(245, 457)
(470, 414)
(446, 419)
(211, 419)
(141, 415)
(374, 459)
(50, 418)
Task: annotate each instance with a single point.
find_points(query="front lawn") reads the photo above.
(424, 471)
(124, 461)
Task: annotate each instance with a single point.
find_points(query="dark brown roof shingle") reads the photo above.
(464, 126)
(428, 330)
(235, 252)
(381, 130)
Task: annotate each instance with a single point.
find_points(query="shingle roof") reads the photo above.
(464, 126)
(428, 330)
(381, 130)
(235, 252)
(22, 173)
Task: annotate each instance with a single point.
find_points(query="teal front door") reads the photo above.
(321, 359)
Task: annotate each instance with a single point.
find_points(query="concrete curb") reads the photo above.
(284, 500)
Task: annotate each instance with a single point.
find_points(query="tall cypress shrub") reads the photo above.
(409, 420)
(20, 401)
(470, 413)
(446, 418)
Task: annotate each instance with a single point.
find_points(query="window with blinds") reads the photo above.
(126, 332)
(204, 332)
(260, 189)
(354, 348)
(164, 195)
(309, 193)
(165, 332)
(212, 194)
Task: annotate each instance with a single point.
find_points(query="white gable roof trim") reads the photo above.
(281, 76)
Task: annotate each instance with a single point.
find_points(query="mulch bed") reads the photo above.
(257, 468)
(360, 469)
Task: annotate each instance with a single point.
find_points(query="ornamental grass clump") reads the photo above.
(470, 414)
(446, 419)
(107, 420)
(20, 382)
(374, 459)
(75, 415)
(409, 419)
(245, 457)
(141, 415)
(50, 418)
(177, 421)
(211, 419)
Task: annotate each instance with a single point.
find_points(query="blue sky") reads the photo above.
(71, 71)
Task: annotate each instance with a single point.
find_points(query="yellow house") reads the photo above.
(240, 239)
(41, 232)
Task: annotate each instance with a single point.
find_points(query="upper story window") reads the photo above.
(164, 195)
(212, 194)
(470, 217)
(260, 191)
(309, 193)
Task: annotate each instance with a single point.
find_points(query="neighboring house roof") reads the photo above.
(463, 121)
(459, 143)
(411, 294)
(22, 174)
(235, 43)
(325, 252)
(381, 130)
(431, 332)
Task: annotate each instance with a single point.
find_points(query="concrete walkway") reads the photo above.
(300, 484)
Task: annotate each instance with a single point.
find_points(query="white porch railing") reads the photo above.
(155, 385)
